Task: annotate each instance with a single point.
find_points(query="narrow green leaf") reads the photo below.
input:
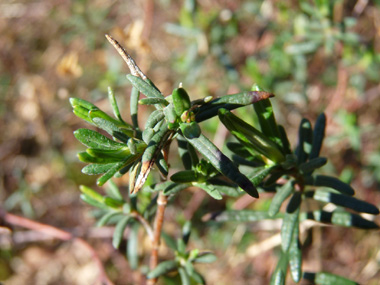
(147, 135)
(144, 87)
(111, 128)
(82, 103)
(185, 280)
(341, 218)
(115, 107)
(294, 202)
(285, 141)
(289, 225)
(113, 203)
(110, 173)
(133, 246)
(82, 113)
(305, 140)
(133, 105)
(295, 257)
(106, 217)
(250, 136)
(154, 118)
(162, 165)
(184, 152)
(85, 157)
(93, 139)
(113, 191)
(209, 189)
(344, 201)
(282, 194)
(197, 277)
(171, 116)
(331, 182)
(117, 155)
(153, 101)
(318, 136)
(259, 174)
(325, 278)
(240, 216)
(91, 193)
(162, 268)
(313, 164)
(279, 274)
(96, 169)
(184, 176)
(229, 102)
(222, 163)
(119, 231)
(93, 202)
(267, 121)
(205, 257)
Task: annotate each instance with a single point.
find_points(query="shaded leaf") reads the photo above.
(329, 181)
(281, 195)
(318, 136)
(162, 268)
(119, 231)
(325, 278)
(93, 139)
(240, 216)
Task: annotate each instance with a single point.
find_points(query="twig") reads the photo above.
(133, 67)
(159, 220)
(58, 234)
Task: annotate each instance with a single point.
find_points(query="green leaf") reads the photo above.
(147, 135)
(162, 268)
(115, 107)
(187, 153)
(197, 277)
(133, 246)
(290, 223)
(305, 140)
(133, 105)
(85, 157)
(259, 173)
(279, 274)
(95, 169)
(144, 87)
(313, 164)
(154, 118)
(285, 140)
(93, 139)
(331, 182)
(181, 101)
(119, 231)
(240, 216)
(250, 137)
(113, 191)
(344, 201)
(91, 193)
(190, 130)
(281, 195)
(110, 173)
(106, 217)
(113, 203)
(209, 189)
(295, 257)
(340, 218)
(184, 176)
(267, 121)
(82, 103)
(294, 203)
(111, 128)
(229, 102)
(325, 278)
(153, 101)
(205, 257)
(222, 163)
(170, 115)
(318, 136)
(185, 280)
(93, 202)
(117, 155)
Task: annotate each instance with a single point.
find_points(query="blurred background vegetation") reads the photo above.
(314, 55)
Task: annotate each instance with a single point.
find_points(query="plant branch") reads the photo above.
(58, 234)
(145, 224)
